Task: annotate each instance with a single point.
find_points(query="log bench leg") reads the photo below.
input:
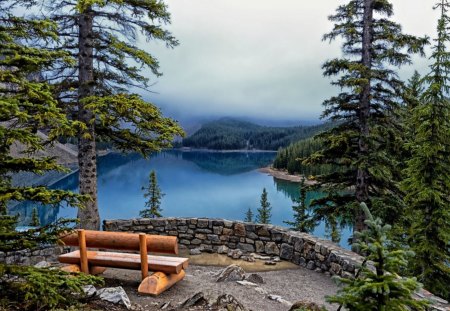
(158, 282)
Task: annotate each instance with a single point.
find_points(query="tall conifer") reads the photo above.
(427, 183)
(264, 212)
(373, 46)
(27, 106)
(101, 36)
(153, 195)
(303, 221)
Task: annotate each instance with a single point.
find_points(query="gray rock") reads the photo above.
(195, 251)
(195, 301)
(259, 246)
(89, 290)
(287, 251)
(280, 300)
(235, 253)
(114, 295)
(42, 264)
(246, 283)
(246, 247)
(272, 248)
(255, 278)
(227, 302)
(223, 249)
(231, 273)
(311, 264)
(270, 263)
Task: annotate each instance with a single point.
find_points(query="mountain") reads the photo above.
(230, 134)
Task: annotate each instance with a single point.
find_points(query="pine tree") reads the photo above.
(264, 212)
(27, 106)
(303, 221)
(360, 144)
(101, 36)
(379, 287)
(249, 215)
(427, 183)
(153, 195)
(35, 218)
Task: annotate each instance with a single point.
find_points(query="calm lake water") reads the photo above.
(195, 183)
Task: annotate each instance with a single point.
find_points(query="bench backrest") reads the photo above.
(124, 241)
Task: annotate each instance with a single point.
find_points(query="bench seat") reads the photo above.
(166, 264)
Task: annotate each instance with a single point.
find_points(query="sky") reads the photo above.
(258, 58)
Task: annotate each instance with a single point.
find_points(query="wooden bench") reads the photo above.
(167, 270)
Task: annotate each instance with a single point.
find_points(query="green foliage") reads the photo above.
(153, 195)
(27, 107)
(248, 215)
(229, 134)
(290, 158)
(364, 143)
(35, 218)
(378, 287)
(303, 221)
(41, 288)
(427, 182)
(264, 212)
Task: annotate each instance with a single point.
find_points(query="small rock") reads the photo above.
(311, 264)
(235, 253)
(246, 283)
(261, 290)
(256, 256)
(255, 278)
(195, 251)
(42, 264)
(270, 263)
(280, 300)
(248, 258)
(222, 249)
(165, 305)
(227, 302)
(231, 273)
(276, 259)
(89, 290)
(195, 301)
(114, 295)
(305, 305)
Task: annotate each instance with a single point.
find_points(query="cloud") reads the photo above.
(258, 58)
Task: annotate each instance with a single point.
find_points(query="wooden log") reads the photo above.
(124, 241)
(170, 265)
(83, 251)
(95, 270)
(143, 253)
(158, 282)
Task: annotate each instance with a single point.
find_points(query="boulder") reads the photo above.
(231, 273)
(89, 290)
(255, 278)
(114, 295)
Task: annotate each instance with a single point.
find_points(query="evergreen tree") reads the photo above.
(153, 195)
(27, 106)
(249, 215)
(264, 212)
(378, 288)
(303, 221)
(427, 183)
(35, 218)
(101, 36)
(360, 144)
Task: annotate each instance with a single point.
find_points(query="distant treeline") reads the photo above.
(229, 134)
(289, 158)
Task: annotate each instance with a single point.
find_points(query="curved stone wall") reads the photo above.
(209, 234)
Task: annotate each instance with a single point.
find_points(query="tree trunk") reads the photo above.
(87, 161)
(362, 178)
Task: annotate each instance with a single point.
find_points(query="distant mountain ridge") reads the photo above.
(230, 134)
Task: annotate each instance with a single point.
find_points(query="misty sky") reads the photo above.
(258, 58)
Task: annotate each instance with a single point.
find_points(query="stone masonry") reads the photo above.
(209, 234)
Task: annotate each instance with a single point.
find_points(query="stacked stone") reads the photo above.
(208, 235)
(32, 257)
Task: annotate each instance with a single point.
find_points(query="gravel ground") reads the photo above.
(291, 284)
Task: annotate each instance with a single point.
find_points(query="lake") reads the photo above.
(195, 184)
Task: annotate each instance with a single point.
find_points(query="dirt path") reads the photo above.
(291, 284)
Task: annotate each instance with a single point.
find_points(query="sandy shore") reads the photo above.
(284, 175)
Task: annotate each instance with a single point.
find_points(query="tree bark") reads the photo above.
(87, 159)
(362, 178)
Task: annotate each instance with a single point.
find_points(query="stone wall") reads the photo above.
(32, 257)
(209, 234)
